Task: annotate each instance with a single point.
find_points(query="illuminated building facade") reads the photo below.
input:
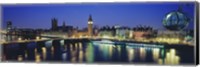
(172, 36)
(107, 32)
(122, 32)
(142, 32)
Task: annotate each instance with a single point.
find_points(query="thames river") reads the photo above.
(104, 51)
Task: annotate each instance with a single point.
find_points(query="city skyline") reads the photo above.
(152, 33)
(39, 16)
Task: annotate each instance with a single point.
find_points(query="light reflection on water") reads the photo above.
(81, 56)
(89, 52)
(106, 50)
(44, 51)
(37, 58)
(20, 58)
(64, 56)
(156, 54)
(171, 57)
(131, 54)
(142, 54)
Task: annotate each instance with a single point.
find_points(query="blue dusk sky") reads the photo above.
(77, 14)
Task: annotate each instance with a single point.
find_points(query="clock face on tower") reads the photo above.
(90, 19)
(90, 22)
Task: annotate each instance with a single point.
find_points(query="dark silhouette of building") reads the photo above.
(54, 23)
(9, 26)
(143, 28)
(64, 26)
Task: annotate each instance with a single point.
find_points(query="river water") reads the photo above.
(96, 52)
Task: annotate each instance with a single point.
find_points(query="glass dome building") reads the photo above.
(175, 21)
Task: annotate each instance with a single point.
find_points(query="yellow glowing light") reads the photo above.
(44, 53)
(164, 39)
(90, 22)
(173, 51)
(20, 58)
(37, 58)
(76, 45)
(80, 45)
(80, 56)
(168, 58)
(52, 50)
(160, 61)
(19, 38)
(171, 57)
(178, 40)
(37, 38)
(130, 54)
(166, 61)
(110, 48)
(156, 54)
(142, 53)
(177, 59)
(106, 37)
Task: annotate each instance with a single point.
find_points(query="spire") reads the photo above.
(64, 23)
(90, 18)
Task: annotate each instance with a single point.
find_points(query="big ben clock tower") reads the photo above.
(90, 26)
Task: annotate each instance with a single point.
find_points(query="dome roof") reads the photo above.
(175, 20)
